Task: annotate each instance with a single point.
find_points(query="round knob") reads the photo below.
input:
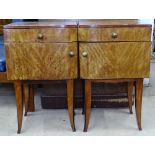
(40, 36)
(84, 54)
(71, 54)
(114, 35)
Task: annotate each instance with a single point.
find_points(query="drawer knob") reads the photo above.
(114, 35)
(40, 36)
(84, 54)
(71, 54)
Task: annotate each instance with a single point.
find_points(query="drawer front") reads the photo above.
(40, 35)
(114, 60)
(115, 34)
(37, 61)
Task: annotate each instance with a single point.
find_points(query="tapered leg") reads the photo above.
(70, 93)
(130, 89)
(87, 104)
(19, 103)
(31, 105)
(26, 97)
(138, 104)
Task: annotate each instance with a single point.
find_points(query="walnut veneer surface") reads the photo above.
(49, 35)
(41, 50)
(96, 23)
(54, 23)
(112, 49)
(41, 61)
(126, 55)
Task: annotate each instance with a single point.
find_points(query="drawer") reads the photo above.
(114, 60)
(115, 34)
(41, 35)
(37, 61)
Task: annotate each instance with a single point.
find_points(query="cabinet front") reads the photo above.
(41, 61)
(113, 60)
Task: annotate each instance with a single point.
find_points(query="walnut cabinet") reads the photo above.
(114, 51)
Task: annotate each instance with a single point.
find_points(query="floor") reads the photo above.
(105, 122)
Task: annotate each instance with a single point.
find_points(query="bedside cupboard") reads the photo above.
(41, 51)
(114, 51)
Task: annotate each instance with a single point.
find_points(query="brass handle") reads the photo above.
(71, 54)
(84, 54)
(114, 35)
(40, 36)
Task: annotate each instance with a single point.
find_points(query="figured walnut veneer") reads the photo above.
(115, 60)
(49, 35)
(37, 61)
(125, 55)
(124, 34)
(41, 50)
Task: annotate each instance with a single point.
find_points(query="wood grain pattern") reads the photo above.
(49, 35)
(87, 106)
(19, 103)
(124, 34)
(115, 60)
(37, 61)
(98, 23)
(52, 23)
(70, 102)
(138, 104)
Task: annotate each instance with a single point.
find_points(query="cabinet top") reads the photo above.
(113, 23)
(63, 23)
(55, 23)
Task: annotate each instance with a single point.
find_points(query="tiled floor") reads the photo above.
(56, 122)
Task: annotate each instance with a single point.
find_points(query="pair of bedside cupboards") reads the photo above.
(110, 51)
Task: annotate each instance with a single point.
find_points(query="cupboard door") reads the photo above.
(37, 61)
(115, 60)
